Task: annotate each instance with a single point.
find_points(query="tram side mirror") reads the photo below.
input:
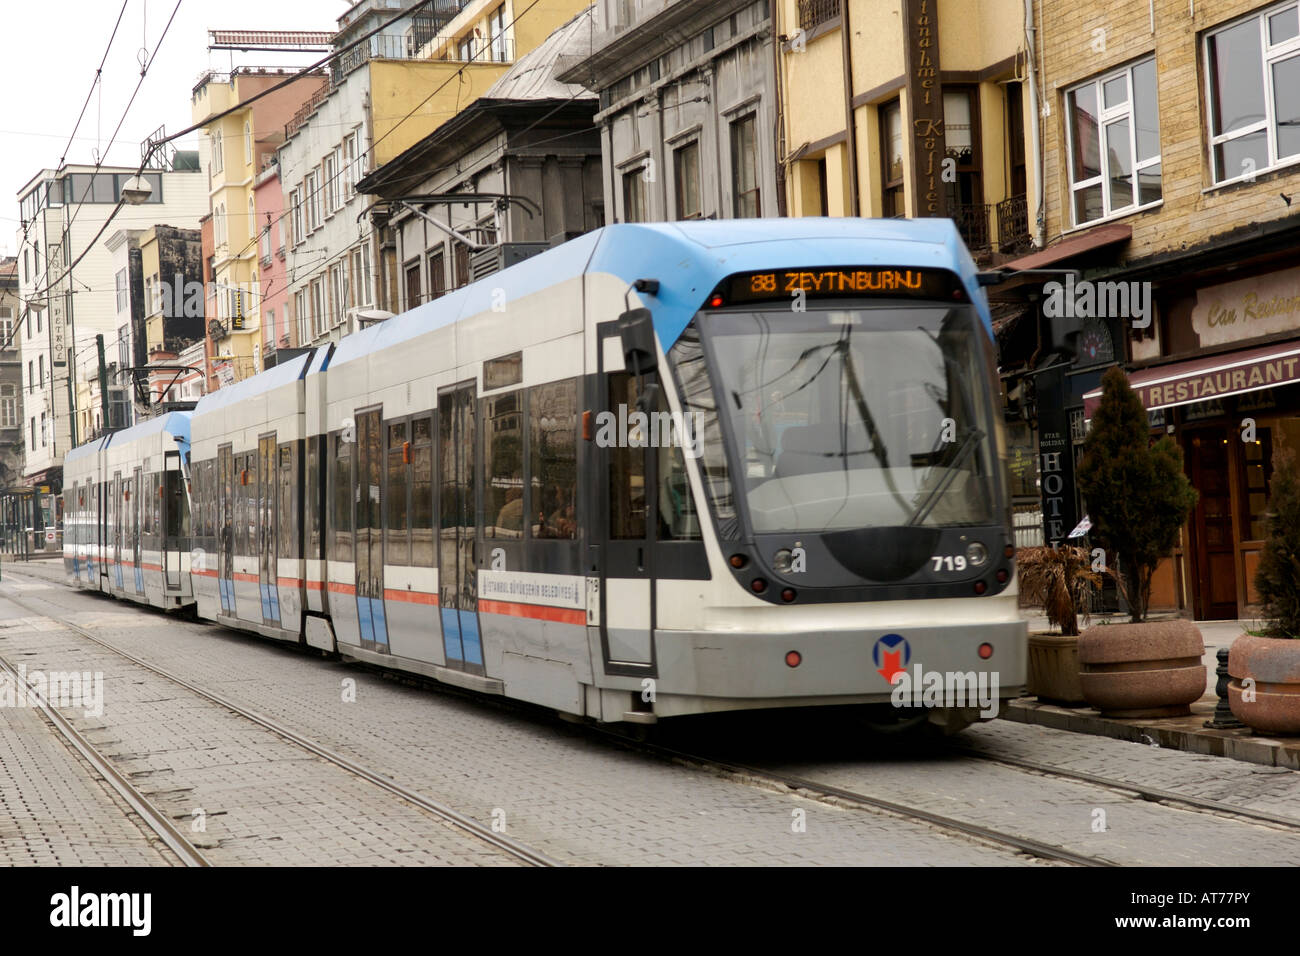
(637, 332)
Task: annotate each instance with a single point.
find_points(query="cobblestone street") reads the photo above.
(557, 788)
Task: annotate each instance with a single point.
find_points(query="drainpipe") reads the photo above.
(850, 125)
(1035, 130)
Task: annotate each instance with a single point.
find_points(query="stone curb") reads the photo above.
(1173, 733)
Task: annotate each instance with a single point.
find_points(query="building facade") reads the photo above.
(63, 308)
(243, 135)
(1172, 152)
(384, 97)
(514, 172)
(687, 108)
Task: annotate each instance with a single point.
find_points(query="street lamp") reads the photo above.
(136, 191)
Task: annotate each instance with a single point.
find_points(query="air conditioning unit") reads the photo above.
(488, 261)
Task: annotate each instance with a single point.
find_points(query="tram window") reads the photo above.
(250, 510)
(503, 467)
(627, 477)
(678, 518)
(553, 464)
(422, 545)
(697, 400)
(177, 513)
(146, 528)
(397, 538)
(210, 499)
(340, 528)
(287, 519)
(311, 497)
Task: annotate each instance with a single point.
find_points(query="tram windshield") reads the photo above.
(855, 417)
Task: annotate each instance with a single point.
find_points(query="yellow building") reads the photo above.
(384, 96)
(910, 108)
(241, 144)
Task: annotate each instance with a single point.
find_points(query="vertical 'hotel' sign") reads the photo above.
(925, 100)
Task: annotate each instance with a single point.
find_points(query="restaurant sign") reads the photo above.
(1247, 308)
(1217, 382)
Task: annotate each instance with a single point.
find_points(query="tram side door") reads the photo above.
(226, 528)
(457, 533)
(624, 531)
(268, 527)
(118, 507)
(136, 504)
(369, 542)
(171, 520)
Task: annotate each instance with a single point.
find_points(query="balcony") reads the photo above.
(1013, 224)
(972, 221)
(813, 13)
(975, 222)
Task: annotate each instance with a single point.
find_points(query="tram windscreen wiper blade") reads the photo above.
(963, 451)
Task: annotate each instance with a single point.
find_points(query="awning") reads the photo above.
(1204, 379)
(1089, 241)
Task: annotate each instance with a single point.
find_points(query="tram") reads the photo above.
(662, 469)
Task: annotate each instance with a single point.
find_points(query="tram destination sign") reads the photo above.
(839, 281)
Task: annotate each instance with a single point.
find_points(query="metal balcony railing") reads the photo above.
(973, 223)
(816, 12)
(1013, 224)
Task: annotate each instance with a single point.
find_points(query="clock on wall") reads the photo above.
(1095, 345)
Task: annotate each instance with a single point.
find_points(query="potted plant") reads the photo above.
(1270, 659)
(1138, 501)
(1060, 580)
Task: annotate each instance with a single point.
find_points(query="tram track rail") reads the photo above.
(154, 818)
(842, 796)
(1149, 794)
(500, 841)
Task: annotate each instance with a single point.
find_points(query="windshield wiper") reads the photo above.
(963, 451)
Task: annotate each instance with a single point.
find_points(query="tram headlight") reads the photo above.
(783, 561)
(976, 554)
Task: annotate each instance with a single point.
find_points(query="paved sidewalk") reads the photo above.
(1178, 733)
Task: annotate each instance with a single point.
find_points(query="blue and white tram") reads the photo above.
(127, 513)
(659, 470)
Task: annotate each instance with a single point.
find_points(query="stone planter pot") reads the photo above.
(1274, 664)
(1142, 670)
(1054, 668)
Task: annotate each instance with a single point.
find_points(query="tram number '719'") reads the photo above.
(949, 562)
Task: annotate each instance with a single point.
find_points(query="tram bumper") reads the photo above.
(932, 666)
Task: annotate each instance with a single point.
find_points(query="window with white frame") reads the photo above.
(497, 33)
(313, 200)
(266, 242)
(1113, 128)
(248, 143)
(336, 294)
(218, 152)
(8, 407)
(252, 218)
(350, 166)
(123, 291)
(6, 327)
(295, 205)
(1252, 71)
(319, 324)
(300, 305)
(328, 170)
(367, 296)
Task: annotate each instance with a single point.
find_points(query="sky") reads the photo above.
(50, 49)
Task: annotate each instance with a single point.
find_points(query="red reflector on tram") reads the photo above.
(586, 426)
(758, 585)
(793, 658)
(1002, 576)
(788, 595)
(986, 651)
(715, 302)
(980, 587)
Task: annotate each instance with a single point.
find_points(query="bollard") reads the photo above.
(1223, 719)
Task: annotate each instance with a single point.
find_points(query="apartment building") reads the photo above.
(516, 171)
(243, 132)
(1171, 138)
(65, 306)
(687, 108)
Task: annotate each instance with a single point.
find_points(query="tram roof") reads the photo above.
(254, 385)
(689, 259)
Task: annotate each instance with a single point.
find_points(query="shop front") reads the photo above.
(1234, 412)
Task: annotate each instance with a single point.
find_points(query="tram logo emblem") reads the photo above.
(891, 655)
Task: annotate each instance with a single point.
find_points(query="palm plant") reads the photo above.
(1061, 580)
